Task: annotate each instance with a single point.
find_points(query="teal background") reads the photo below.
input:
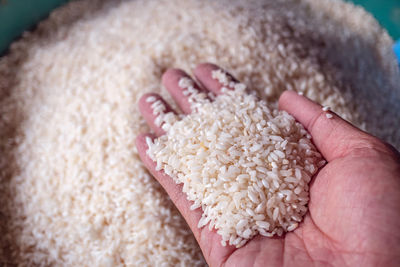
(19, 15)
(387, 12)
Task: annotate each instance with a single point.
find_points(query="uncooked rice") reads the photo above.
(325, 108)
(73, 191)
(245, 165)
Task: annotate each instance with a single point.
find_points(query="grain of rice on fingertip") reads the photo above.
(150, 99)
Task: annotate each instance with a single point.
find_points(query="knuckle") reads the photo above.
(315, 121)
(370, 146)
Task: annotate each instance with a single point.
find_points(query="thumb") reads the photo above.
(334, 137)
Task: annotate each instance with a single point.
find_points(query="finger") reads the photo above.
(150, 106)
(173, 190)
(172, 82)
(334, 137)
(204, 74)
(209, 241)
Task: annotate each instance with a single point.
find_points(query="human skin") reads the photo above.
(354, 207)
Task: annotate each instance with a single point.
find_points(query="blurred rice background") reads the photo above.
(19, 15)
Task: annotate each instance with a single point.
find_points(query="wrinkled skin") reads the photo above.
(354, 208)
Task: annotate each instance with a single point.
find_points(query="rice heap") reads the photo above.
(245, 165)
(73, 191)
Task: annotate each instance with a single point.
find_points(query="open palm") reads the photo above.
(354, 208)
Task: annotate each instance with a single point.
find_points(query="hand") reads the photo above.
(354, 208)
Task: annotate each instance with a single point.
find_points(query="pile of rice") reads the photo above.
(245, 165)
(73, 191)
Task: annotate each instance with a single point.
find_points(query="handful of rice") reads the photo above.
(246, 165)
